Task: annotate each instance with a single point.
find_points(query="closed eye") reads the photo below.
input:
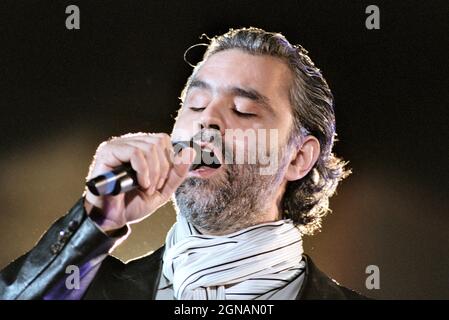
(243, 114)
(235, 111)
(196, 109)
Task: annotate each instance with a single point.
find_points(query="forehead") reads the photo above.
(233, 67)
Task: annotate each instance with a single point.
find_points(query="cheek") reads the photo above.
(253, 145)
(257, 139)
(269, 135)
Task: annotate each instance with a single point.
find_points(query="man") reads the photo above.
(239, 227)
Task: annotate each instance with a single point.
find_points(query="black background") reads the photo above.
(64, 91)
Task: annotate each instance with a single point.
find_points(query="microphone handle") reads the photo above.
(121, 179)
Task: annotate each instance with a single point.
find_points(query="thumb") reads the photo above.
(181, 164)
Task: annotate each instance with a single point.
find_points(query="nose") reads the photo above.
(211, 126)
(212, 117)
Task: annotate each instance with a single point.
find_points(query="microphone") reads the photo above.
(124, 178)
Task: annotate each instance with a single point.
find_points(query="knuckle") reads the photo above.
(102, 146)
(132, 135)
(162, 135)
(103, 149)
(137, 152)
(113, 139)
(148, 154)
(151, 149)
(165, 137)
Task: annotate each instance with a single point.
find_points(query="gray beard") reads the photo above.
(227, 202)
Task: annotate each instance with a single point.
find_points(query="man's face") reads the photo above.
(235, 90)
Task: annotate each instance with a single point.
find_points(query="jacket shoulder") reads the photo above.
(319, 286)
(135, 279)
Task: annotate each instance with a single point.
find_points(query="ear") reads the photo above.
(304, 159)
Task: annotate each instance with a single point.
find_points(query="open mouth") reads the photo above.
(204, 159)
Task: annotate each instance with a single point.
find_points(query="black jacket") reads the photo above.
(75, 239)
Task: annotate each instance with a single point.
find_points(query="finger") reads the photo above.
(153, 168)
(157, 138)
(164, 150)
(140, 165)
(115, 154)
(164, 166)
(162, 140)
(182, 162)
(158, 164)
(162, 155)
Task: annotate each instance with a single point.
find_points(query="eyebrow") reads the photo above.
(195, 83)
(247, 93)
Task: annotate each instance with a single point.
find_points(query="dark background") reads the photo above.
(63, 91)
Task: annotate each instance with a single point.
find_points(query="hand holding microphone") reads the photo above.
(124, 177)
(148, 159)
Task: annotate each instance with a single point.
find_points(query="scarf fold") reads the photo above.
(247, 264)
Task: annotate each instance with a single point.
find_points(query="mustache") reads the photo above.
(229, 154)
(209, 136)
(214, 139)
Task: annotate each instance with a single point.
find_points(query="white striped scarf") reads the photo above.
(247, 264)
